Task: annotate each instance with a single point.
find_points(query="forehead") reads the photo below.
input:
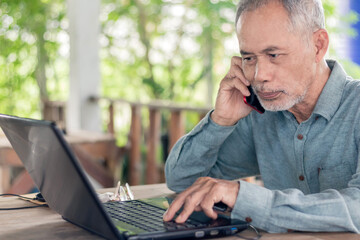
(266, 26)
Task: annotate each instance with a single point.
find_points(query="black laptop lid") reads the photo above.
(55, 171)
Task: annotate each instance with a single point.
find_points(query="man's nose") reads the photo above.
(263, 70)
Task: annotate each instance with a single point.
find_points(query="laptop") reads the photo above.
(63, 183)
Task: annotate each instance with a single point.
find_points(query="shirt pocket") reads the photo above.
(335, 177)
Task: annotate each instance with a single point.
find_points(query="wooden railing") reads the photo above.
(176, 129)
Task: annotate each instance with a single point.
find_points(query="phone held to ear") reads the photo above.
(253, 102)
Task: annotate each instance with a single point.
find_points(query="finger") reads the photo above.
(237, 71)
(188, 209)
(236, 60)
(224, 191)
(193, 200)
(229, 84)
(178, 203)
(207, 208)
(215, 195)
(210, 212)
(198, 209)
(173, 208)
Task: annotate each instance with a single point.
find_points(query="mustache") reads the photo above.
(262, 88)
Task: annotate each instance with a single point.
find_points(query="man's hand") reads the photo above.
(229, 106)
(202, 196)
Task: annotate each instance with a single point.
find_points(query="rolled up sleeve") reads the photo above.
(280, 211)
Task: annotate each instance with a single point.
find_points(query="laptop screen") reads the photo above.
(55, 171)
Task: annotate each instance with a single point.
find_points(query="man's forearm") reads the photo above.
(195, 154)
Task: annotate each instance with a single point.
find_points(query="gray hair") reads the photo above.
(304, 15)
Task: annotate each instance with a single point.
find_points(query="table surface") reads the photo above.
(44, 223)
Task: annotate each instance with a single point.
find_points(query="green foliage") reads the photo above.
(150, 49)
(164, 48)
(30, 66)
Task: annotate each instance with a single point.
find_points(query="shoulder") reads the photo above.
(349, 108)
(351, 90)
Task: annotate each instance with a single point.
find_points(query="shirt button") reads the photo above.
(248, 219)
(300, 137)
(301, 178)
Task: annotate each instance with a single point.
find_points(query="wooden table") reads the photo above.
(97, 153)
(43, 223)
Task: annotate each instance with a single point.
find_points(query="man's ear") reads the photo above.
(321, 43)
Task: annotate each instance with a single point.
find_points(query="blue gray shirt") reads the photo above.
(311, 171)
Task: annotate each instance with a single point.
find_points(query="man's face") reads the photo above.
(279, 63)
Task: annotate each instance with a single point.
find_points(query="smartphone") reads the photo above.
(253, 101)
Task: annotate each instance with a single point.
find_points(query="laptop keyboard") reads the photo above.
(145, 216)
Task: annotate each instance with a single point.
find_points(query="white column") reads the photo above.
(84, 29)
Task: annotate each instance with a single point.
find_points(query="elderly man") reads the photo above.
(306, 144)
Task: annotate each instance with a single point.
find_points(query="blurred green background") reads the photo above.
(150, 49)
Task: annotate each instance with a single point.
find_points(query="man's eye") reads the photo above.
(273, 55)
(248, 59)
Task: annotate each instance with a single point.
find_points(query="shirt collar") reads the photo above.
(330, 97)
